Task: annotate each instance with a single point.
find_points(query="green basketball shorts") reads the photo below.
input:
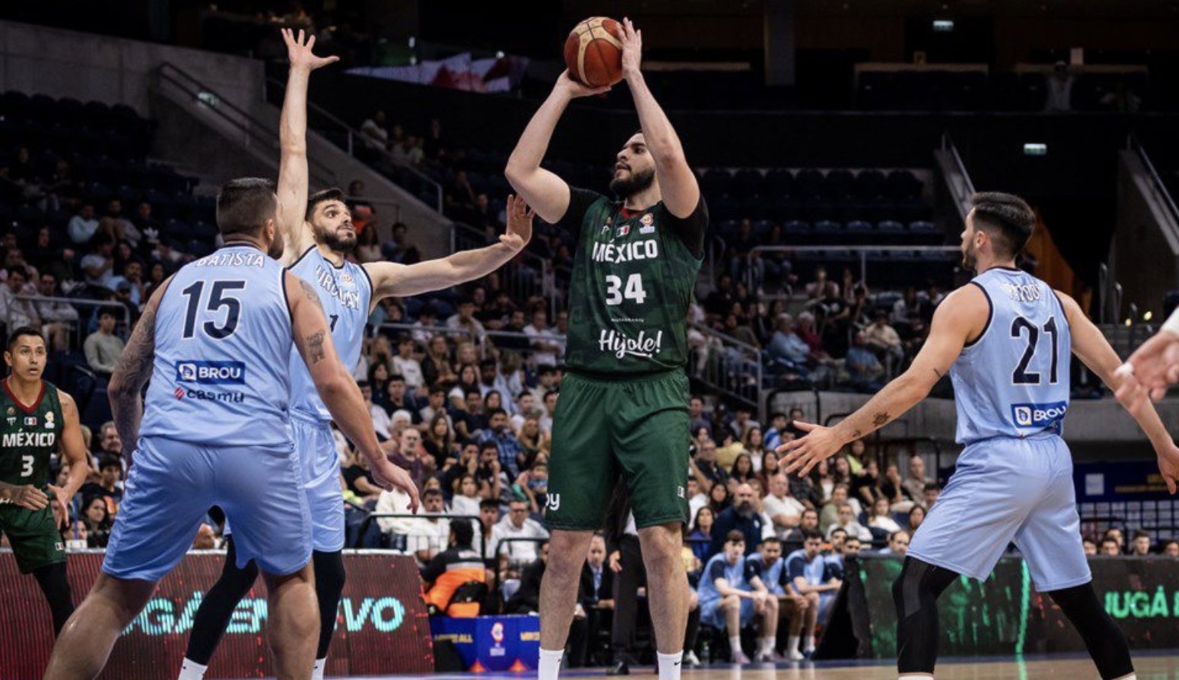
(34, 537)
(606, 428)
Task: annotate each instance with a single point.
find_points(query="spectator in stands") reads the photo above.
(696, 419)
(916, 517)
(484, 530)
(497, 432)
(882, 339)
(380, 417)
(409, 454)
(359, 480)
(97, 521)
(898, 544)
(84, 224)
(1140, 545)
(121, 228)
(595, 597)
(518, 525)
(373, 131)
(109, 485)
(830, 514)
(534, 484)
(913, 333)
(526, 599)
(881, 517)
(400, 399)
(821, 287)
(427, 534)
(17, 313)
(696, 498)
(742, 470)
(438, 439)
(368, 243)
(102, 347)
(466, 500)
(406, 365)
(786, 347)
(784, 511)
(452, 569)
(544, 344)
(930, 494)
(1171, 548)
(1088, 545)
(129, 287)
(490, 473)
(741, 516)
(863, 367)
(1117, 535)
(1059, 84)
(98, 265)
(732, 593)
(809, 521)
(57, 317)
(916, 480)
(812, 578)
(847, 522)
(464, 320)
(1109, 546)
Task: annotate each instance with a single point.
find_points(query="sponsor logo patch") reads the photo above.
(211, 372)
(1038, 415)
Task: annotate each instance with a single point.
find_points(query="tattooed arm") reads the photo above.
(132, 372)
(961, 318)
(336, 386)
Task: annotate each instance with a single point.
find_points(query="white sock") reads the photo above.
(792, 643)
(735, 644)
(550, 664)
(318, 668)
(921, 676)
(191, 670)
(809, 644)
(670, 665)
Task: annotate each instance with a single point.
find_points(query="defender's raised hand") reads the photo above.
(299, 51)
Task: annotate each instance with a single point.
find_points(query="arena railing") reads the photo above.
(122, 314)
(410, 329)
(366, 524)
(863, 252)
(727, 365)
(536, 277)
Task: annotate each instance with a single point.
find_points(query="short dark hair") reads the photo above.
(496, 412)
(838, 530)
(808, 534)
(23, 331)
(463, 532)
(1141, 533)
(489, 446)
(244, 205)
(431, 492)
(17, 269)
(438, 389)
(322, 196)
(396, 377)
(771, 539)
(1007, 217)
(489, 503)
(931, 486)
(110, 462)
(734, 536)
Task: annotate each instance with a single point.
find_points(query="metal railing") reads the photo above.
(351, 140)
(727, 365)
(863, 251)
(1157, 188)
(254, 133)
(122, 314)
(961, 188)
(525, 276)
(373, 516)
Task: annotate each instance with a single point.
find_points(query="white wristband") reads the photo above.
(1172, 324)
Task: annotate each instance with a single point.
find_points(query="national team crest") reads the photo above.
(346, 279)
(623, 230)
(31, 421)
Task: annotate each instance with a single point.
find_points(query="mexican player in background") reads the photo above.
(38, 421)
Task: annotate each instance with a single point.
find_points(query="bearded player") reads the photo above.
(39, 420)
(624, 402)
(318, 235)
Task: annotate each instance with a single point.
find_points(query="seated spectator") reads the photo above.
(485, 529)
(847, 521)
(359, 480)
(741, 516)
(373, 132)
(427, 535)
(464, 320)
(852, 546)
(812, 577)
(1116, 534)
(380, 417)
(808, 522)
(595, 604)
(518, 525)
(1140, 546)
(405, 449)
(526, 599)
(109, 485)
(83, 225)
(98, 266)
(466, 500)
(881, 517)
(701, 537)
(406, 365)
(57, 317)
(732, 593)
(863, 368)
(742, 471)
(916, 517)
(930, 494)
(1089, 547)
(102, 347)
(786, 347)
(1109, 547)
(97, 521)
(772, 568)
(493, 481)
(882, 339)
(448, 571)
(497, 432)
(534, 484)
(830, 514)
(1171, 548)
(696, 498)
(898, 544)
(399, 399)
(784, 511)
(706, 467)
(14, 312)
(916, 480)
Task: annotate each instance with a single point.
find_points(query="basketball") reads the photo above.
(593, 52)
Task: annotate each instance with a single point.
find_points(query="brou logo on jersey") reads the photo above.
(1038, 415)
(212, 372)
(643, 346)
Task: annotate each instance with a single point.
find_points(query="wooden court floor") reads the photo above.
(1155, 667)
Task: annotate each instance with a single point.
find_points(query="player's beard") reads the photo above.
(636, 181)
(969, 258)
(336, 242)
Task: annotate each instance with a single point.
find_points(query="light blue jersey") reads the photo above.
(1013, 381)
(738, 576)
(346, 293)
(222, 339)
(772, 575)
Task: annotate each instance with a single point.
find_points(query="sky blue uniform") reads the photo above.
(215, 424)
(346, 293)
(1014, 481)
(817, 572)
(772, 575)
(738, 576)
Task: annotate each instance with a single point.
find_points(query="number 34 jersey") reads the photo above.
(1013, 380)
(222, 342)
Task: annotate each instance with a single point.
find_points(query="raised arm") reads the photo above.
(336, 386)
(132, 372)
(1091, 347)
(292, 136)
(73, 451)
(677, 182)
(402, 280)
(547, 193)
(961, 316)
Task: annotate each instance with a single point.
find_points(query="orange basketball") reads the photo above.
(593, 52)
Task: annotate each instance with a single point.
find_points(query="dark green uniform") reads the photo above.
(623, 407)
(28, 437)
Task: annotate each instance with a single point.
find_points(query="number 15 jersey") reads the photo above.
(1013, 380)
(222, 341)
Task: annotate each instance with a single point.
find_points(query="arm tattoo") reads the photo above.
(134, 365)
(937, 373)
(857, 434)
(880, 419)
(309, 291)
(314, 353)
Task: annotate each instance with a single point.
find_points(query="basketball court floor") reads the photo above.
(1148, 667)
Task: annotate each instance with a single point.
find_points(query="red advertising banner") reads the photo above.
(381, 626)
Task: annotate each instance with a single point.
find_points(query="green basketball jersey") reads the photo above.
(29, 436)
(633, 279)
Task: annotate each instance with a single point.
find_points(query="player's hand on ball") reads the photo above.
(61, 504)
(632, 49)
(299, 51)
(575, 89)
(804, 453)
(388, 476)
(27, 496)
(520, 216)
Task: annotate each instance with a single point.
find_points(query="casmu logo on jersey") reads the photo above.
(643, 346)
(212, 372)
(1038, 415)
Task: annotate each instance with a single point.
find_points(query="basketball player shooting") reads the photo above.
(1005, 340)
(624, 401)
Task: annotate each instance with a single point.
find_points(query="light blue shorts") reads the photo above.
(1008, 491)
(321, 479)
(170, 488)
(711, 613)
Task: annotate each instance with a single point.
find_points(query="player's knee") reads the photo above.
(731, 602)
(812, 599)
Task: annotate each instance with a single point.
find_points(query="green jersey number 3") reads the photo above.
(615, 293)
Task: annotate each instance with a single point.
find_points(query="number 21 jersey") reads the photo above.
(1013, 380)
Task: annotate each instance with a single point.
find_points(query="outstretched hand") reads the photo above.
(632, 49)
(299, 51)
(520, 216)
(1154, 366)
(803, 454)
